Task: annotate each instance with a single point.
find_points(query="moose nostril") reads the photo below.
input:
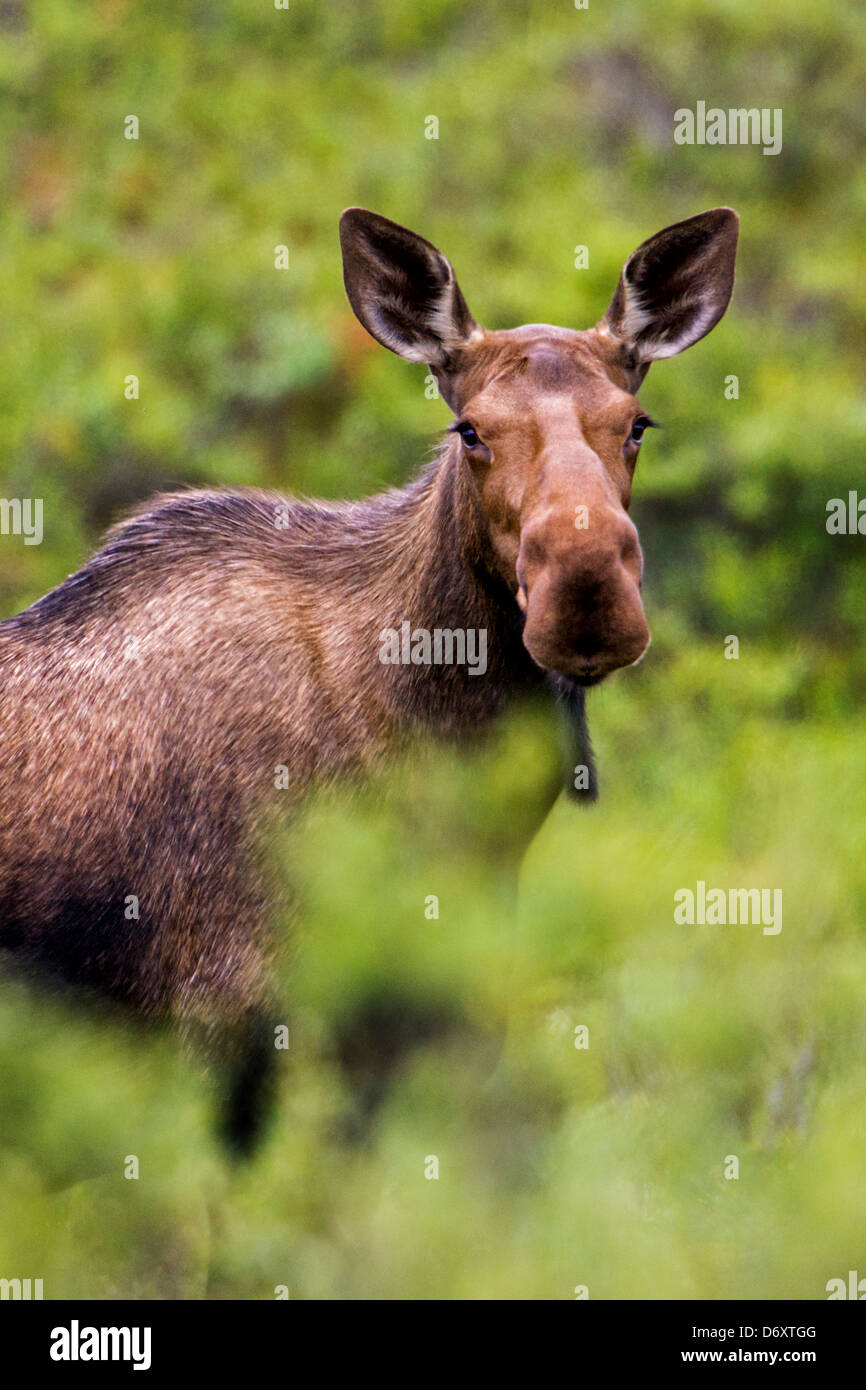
(522, 596)
(630, 546)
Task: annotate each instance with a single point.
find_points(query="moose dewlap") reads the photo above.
(147, 700)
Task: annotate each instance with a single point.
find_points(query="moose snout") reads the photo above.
(580, 591)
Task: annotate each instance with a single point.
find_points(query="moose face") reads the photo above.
(548, 419)
(553, 442)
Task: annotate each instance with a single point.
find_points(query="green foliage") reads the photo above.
(558, 1166)
(155, 257)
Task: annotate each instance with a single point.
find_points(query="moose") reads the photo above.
(218, 635)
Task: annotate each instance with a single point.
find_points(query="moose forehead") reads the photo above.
(538, 367)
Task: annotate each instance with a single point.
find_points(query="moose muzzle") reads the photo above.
(580, 591)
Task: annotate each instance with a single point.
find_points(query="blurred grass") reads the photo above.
(558, 1167)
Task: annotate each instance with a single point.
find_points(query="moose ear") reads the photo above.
(675, 287)
(402, 289)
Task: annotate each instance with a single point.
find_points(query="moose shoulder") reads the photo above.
(221, 641)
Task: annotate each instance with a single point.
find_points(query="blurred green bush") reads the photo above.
(155, 257)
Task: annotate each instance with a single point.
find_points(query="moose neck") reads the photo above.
(442, 577)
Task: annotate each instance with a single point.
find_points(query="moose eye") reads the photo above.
(467, 434)
(643, 422)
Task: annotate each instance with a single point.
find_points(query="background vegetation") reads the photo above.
(558, 1167)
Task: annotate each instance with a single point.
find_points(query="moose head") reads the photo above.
(549, 418)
